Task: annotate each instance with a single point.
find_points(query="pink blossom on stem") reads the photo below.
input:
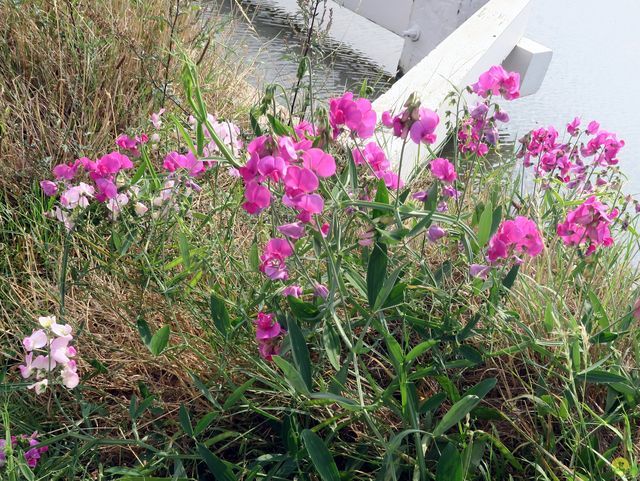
(443, 169)
(515, 237)
(273, 259)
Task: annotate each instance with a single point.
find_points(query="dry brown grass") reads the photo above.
(76, 73)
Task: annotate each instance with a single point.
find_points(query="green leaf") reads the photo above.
(204, 422)
(279, 128)
(320, 456)
(145, 332)
(300, 353)
(497, 217)
(420, 349)
(602, 318)
(549, 317)
(510, 278)
(482, 388)
(185, 253)
(303, 311)
(457, 412)
(254, 257)
(220, 470)
(292, 375)
(219, 314)
(598, 376)
(450, 466)
(160, 340)
(382, 197)
(237, 394)
(332, 345)
(376, 272)
(185, 420)
(484, 227)
(387, 287)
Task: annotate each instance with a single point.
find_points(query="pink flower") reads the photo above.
(65, 171)
(293, 291)
(49, 188)
(422, 195)
(320, 290)
(37, 340)
(479, 270)
(174, 161)
(588, 224)
(593, 127)
(320, 162)
(423, 130)
(39, 386)
(258, 198)
(357, 115)
(435, 233)
(496, 81)
(77, 196)
(295, 230)
(518, 236)
(268, 334)
(443, 169)
(155, 118)
(70, 377)
(272, 167)
(300, 180)
(273, 259)
(572, 127)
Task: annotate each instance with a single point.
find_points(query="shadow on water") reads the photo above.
(272, 41)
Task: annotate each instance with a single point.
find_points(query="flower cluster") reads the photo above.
(497, 81)
(52, 348)
(31, 455)
(479, 130)
(268, 335)
(355, 114)
(419, 123)
(227, 132)
(588, 224)
(514, 238)
(295, 165)
(374, 157)
(273, 259)
(567, 162)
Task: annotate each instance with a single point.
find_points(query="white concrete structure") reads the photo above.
(440, 44)
(493, 35)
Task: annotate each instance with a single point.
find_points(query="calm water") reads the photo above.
(592, 75)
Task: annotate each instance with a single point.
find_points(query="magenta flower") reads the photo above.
(443, 169)
(514, 237)
(155, 118)
(321, 163)
(273, 259)
(293, 290)
(268, 335)
(295, 230)
(588, 224)
(593, 127)
(498, 81)
(65, 171)
(320, 290)
(356, 115)
(49, 188)
(174, 161)
(258, 198)
(435, 233)
(479, 270)
(572, 127)
(423, 130)
(272, 167)
(422, 195)
(300, 180)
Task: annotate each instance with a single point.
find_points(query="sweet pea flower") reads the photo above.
(300, 180)
(37, 340)
(273, 259)
(65, 171)
(39, 386)
(174, 161)
(295, 230)
(496, 81)
(155, 118)
(140, 209)
(49, 188)
(422, 195)
(593, 127)
(514, 237)
(479, 271)
(258, 198)
(357, 115)
(318, 161)
(443, 169)
(588, 224)
(572, 127)
(320, 290)
(77, 196)
(423, 130)
(268, 335)
(435, 233)
(47, 321)
(293, 290)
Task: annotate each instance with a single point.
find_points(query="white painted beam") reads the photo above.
(393, 15)
(531, 60)
(485, 39)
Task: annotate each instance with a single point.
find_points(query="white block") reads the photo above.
(393, 15)
(531, 60)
